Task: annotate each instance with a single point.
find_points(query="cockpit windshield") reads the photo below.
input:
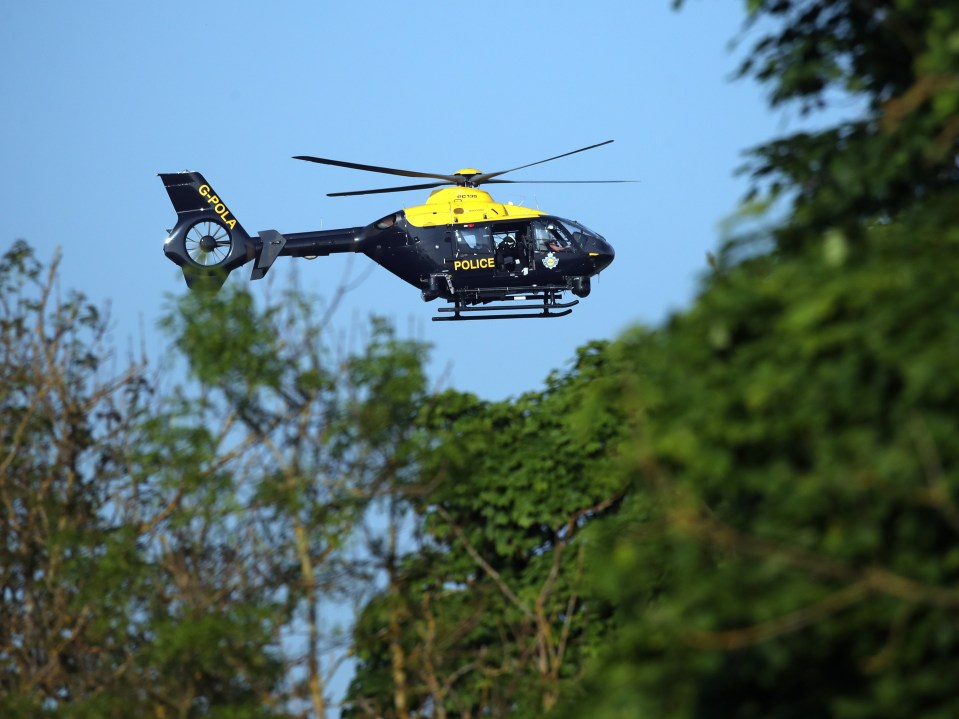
(555, 234)
(578, 230)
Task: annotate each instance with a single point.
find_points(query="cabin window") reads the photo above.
(512, 246)
(386, 222)
(473, 238)
(511, 235)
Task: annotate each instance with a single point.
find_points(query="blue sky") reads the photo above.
(99, 97)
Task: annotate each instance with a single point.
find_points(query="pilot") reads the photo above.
(556, 243)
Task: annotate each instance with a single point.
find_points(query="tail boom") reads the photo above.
(208, 242)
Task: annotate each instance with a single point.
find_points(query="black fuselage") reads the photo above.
(483, 258)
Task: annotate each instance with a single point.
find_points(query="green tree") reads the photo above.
(121, 591)
(324, 441)
(179, 548)
(787, 548)
(896, 59)
(488, 613)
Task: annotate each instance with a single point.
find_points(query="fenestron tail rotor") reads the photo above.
(463, 178)
(208, 243)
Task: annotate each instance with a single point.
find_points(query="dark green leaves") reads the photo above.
(795, 489)
(900, 60)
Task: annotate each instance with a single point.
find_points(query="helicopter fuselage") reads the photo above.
(463, 245)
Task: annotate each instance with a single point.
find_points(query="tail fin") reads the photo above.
(207, 241)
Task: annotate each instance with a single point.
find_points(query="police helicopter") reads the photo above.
(487, 259)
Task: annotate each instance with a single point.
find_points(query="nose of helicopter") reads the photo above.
(601, 253)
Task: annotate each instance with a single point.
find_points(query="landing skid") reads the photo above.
(508, 310)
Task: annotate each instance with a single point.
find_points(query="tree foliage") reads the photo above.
(124, 586)
(787, 546)
(490, 611)
(324, 439)
(178, 548)
(896, 59)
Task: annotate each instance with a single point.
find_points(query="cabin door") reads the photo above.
(473, 252)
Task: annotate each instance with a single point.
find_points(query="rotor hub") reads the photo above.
(466, 175)
(207, 243)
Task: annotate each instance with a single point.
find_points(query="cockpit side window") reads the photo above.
(540, 235)
(551, 236)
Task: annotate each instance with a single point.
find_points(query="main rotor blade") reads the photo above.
(426, 186)
(487, 176)
(384, 170)
(555, 182)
